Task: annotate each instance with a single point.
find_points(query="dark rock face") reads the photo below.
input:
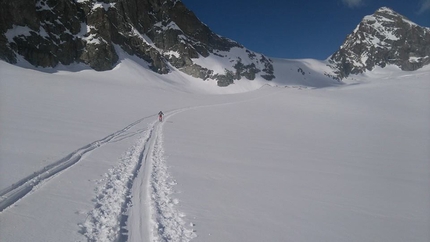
(163, 33)
(38, 34)
(383, 38)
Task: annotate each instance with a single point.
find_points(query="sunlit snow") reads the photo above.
(299, 158)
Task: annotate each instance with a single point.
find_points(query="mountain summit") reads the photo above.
(383, 38)
(164, 33)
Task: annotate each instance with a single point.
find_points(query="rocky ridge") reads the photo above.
(383, 38)
(167, 35)
(162, 32)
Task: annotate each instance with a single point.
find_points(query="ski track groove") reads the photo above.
(113, 195)
(10, 195)
(168, 223)
(139, 187)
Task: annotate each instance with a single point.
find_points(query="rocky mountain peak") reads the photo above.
(387, 13)
(164, 33)
(383, 38)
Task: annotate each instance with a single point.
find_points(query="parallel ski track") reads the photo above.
(133, 200)
(152, 213)
(19, 189)
(107, 220)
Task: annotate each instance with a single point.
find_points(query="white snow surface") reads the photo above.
(83, 156)
(17, 30)
(220, 61)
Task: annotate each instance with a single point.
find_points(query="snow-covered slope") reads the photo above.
(87, 160)
(304, 72)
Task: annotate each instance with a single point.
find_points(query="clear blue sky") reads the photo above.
(296, 28)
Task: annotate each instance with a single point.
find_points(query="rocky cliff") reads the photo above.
(380, 39)
(162, 32)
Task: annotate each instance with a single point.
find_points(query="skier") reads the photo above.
(160, 116)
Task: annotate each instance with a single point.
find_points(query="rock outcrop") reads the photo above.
(164, 33)
(384, 38)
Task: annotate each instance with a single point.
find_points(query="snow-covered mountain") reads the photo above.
(381, 39)
(164, 33)
(168, 36)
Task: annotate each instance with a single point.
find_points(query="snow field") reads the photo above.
(347, 163)
(338, 164)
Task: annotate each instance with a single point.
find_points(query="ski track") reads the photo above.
(113, 194)
(134, 199)
(16, 191)
(168, 223)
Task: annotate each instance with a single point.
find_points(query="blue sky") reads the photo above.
(296, 28)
